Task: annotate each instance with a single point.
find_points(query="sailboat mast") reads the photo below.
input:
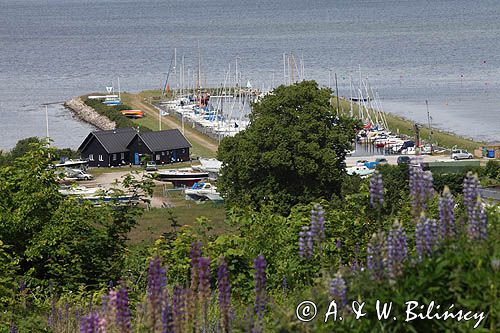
(47, 123)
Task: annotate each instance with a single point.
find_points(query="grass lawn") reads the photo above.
(156, 221)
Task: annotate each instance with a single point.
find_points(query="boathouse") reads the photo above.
(124, 146)
(163, 147)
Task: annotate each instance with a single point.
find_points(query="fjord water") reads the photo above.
(445, 51)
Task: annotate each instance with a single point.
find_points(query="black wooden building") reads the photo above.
(125, 146)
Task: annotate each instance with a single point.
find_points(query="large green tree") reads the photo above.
(292, 152)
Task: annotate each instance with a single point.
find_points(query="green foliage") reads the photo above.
(112, 112)
(60, 239)
(8, 270)
(292, 152)
(23, 146)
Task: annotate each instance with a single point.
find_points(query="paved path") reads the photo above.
(192, 135)
(392, 159)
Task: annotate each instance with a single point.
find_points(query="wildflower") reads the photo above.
(302, 241)
(122, 310)
(421, 188)
(179, 310)
(167, 315)
(318, 223)
(224, 293)
(156, 283)
(426, 237)
(396, 250)
(375, 257)
(338, 290)
(471, 192)
(259, 265)
(477, 226)
(376, 190)
(90, 323)
(194, 255)
(447, 227)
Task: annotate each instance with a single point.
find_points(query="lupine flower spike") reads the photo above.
(421, 188)
(447, 227)
(471, 192)
(259, 265)
(396, 251)
(338, 290)
(224, 293)
(156, 283)
(426, 237)
(477, 226)
(376, 190)
(375, 256)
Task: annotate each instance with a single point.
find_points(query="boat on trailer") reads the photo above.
(202, 192)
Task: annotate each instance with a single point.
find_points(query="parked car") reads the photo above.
(460, 154)
(404, 160)
(80, 175)
(151, 166)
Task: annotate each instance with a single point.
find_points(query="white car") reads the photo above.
(460, 154)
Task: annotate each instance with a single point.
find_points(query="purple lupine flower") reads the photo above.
(421, 188)
(204, 277)
(224, 293)
(318, 223)
(90, 323)
(375, 257)
(13, 328)
(284, 284)
(396, 250)
(259, 265)
(477, 225)
(195, 255)
(122, 310)
(157, 281)
(471, 192)
(338, 290)
(338, 244)
(426, 237)
(376, 190)
(306, 243)
(179, 310)
(447, 228)
(310, 244)
(302, 241)
(167, 315)
(355, 266)
(204, 289)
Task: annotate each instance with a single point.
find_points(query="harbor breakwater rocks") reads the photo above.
(88, 114)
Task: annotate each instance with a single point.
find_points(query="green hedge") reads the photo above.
(113, 113)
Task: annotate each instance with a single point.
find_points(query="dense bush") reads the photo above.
(113, 113)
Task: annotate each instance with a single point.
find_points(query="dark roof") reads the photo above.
(113, 141)
(164, 140)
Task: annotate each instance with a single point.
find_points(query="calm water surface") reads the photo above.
(446, 51)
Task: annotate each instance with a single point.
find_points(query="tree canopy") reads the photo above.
(292, 152)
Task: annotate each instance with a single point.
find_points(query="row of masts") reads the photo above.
(192, 82)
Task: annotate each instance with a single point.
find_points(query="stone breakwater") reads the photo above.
(88, 114)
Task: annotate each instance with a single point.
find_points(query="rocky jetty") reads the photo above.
(88, 114)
